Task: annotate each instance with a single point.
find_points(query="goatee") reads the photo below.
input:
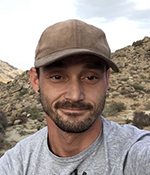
(74, 123)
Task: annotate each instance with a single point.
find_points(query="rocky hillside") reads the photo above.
(8, 72)
(128, 96)
(131, 85)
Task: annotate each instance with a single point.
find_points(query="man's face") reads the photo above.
(73, 92)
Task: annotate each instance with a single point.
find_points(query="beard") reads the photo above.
(75, 123)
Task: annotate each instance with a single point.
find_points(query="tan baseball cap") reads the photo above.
(72, 37)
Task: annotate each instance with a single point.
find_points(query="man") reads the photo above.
(71, 75)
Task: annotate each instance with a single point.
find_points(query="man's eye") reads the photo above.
(91, 77)
(56, 77)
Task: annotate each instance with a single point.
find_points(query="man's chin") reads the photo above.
(73, 127)
(73, 121)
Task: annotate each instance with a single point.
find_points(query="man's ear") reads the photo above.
(34, 79)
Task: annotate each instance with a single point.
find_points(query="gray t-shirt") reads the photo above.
(119, 149)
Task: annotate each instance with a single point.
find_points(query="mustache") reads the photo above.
(74, 105)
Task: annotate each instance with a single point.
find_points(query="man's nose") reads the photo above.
(74, 91)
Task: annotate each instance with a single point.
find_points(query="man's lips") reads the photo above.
(72, 110)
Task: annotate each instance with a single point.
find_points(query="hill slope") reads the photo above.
(8, 72)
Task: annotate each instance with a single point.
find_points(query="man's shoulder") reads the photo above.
(138, 159)
(30, 143)
(27, 150)
(128, 146)
(124, 132)
(37, 136)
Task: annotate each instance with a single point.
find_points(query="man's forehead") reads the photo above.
(87, 60)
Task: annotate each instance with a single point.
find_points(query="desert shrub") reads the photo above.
(147, 105)
(23, 92)
(22, 117)
(128, 121)
(135, 105)
(2, 141)
(143, 76)
(2, 103)
(4, 144)
(34, 112)
(137, 43)
(114, 108)
(148, 53)
(3, 125)
(140, 119)
(147, 91)
(3, 121)
(138, 87)
(35, 115)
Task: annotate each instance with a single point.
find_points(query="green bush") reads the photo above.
(138, 87)
(34, 112)
(143, 76)
(23, 92)
(3, 121)
(114, 108)
(148, 53)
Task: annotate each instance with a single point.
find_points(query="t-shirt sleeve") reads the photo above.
(11, 162)
(138, 158)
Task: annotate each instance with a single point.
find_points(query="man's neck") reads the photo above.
(65, 144)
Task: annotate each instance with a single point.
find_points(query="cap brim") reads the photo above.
(48, 59)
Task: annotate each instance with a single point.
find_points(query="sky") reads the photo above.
(23, 21)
